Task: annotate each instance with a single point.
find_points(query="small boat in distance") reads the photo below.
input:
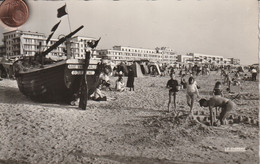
(43, 80)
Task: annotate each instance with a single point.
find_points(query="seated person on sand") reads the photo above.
(104, 80)
(235, 82)
(245, 77)
(216, 101)
(120, 85)
(97, 95)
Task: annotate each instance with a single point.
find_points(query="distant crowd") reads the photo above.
(230, 77)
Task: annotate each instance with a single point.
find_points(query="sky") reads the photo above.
(226, 28)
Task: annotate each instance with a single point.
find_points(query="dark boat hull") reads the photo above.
(53, 83)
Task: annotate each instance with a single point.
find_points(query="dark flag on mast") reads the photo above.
(93, 44)
(48, 39)
(54, 28)
(62, 11)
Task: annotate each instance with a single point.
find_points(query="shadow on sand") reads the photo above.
(12, 95)
(131, 159)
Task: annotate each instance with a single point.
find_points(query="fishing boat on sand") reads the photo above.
(53, 81)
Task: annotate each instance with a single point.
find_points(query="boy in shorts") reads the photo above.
(174, 88)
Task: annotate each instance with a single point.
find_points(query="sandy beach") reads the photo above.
(131, 127)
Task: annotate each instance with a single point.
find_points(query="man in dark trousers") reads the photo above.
(217, 101)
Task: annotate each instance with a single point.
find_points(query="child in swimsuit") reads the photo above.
(173, 85)
(192, 92)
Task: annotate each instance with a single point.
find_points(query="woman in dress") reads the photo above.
(130, 79)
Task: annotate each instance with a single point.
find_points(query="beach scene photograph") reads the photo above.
(129, 81)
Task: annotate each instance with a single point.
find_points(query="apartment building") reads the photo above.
(207, 59)
(2, 50)
(234, 61)
(184, 59)
(123, 54)
(28, 43)
(203, 58)
(80, 44)
(168, 54)
(227, 61)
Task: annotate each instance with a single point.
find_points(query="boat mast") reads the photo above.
(60, 41)
(68, 48)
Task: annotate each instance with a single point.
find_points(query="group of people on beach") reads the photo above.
(191, 88)
(217, 101)
(104, 82)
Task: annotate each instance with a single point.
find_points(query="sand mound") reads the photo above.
(184, 128)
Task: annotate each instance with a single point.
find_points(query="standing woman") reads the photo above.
(130, 79)
(192, 92)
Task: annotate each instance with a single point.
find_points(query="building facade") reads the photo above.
(168, 55)
(28, 44)
(210, 59)
(17, 43)
(124, 54)
(2, 50)
(79, 45)
(184, 59)
(198, 58)
(235, 61)
(227, 61)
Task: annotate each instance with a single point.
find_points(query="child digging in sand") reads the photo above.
(174, 88)
(192, 92)
(217, 101)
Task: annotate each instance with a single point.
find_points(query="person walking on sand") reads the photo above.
(183, 82)
(174, 88)
(254, 74)
(192, 91)
(130, 79)
(217, 101)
